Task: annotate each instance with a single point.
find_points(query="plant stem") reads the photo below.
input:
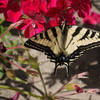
(2, 20)
(21, 91)
(23, 69)
(16, 47)
(42, 82)
(10, 27)
(61, 88)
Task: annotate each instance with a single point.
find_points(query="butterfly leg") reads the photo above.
(67, 69)
(55, 70)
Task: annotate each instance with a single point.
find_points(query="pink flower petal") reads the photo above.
(3, 5)
(82, 6)
(93, 19)
(52, 3)
(69, 17)
(16, 96)
(30, 7)
(82, 75)
(93, 90)
(39, 27)
(25, 24)
(43, 6)
(53, 21)
(13, 11)
(29, 31)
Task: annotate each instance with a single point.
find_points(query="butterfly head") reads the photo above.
(62, 59)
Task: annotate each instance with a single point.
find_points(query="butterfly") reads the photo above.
(64, 44)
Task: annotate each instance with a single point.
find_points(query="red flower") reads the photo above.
(57, 9)
(38, 14)
(83, 7)
(3, 5)
(53, 21)
(37, 9)
(70, 18)
(30, 7)
(78, 89)
(34, 23)
(12, 12)
(93, 19)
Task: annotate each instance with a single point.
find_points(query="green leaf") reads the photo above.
(33, 62)
(22, 60)
(11, 75)
(20, 80)
(21, 91)
(1, 72)
(15, 43)
(70, 87)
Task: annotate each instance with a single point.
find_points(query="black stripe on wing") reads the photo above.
(86, 34)
(54, 32)
(47, 36)
(79, 52)
(77, 31)
(93, 34)
(40, 47)
(90, 46)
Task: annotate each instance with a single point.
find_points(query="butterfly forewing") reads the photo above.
(47, 40)
(83, 39)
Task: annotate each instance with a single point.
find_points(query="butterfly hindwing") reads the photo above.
(46, 41)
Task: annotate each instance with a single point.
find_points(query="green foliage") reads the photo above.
(34, 64)
(2, 30)
(1, 72)
(11, 44)
(11, 75)
(22, 60)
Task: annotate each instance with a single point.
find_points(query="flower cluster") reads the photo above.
(39, 15)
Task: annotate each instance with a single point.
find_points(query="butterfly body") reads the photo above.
(64, 44)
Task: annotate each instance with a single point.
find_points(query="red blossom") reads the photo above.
(78, 89)
(93, 19)
(60, 4)
(35, 22)
(57, 9)
(83, 7)
(3, 5)
(13, 11)
(52, 22)
(70, 18)
(37, 11)
(30, 7)
(40, 13)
